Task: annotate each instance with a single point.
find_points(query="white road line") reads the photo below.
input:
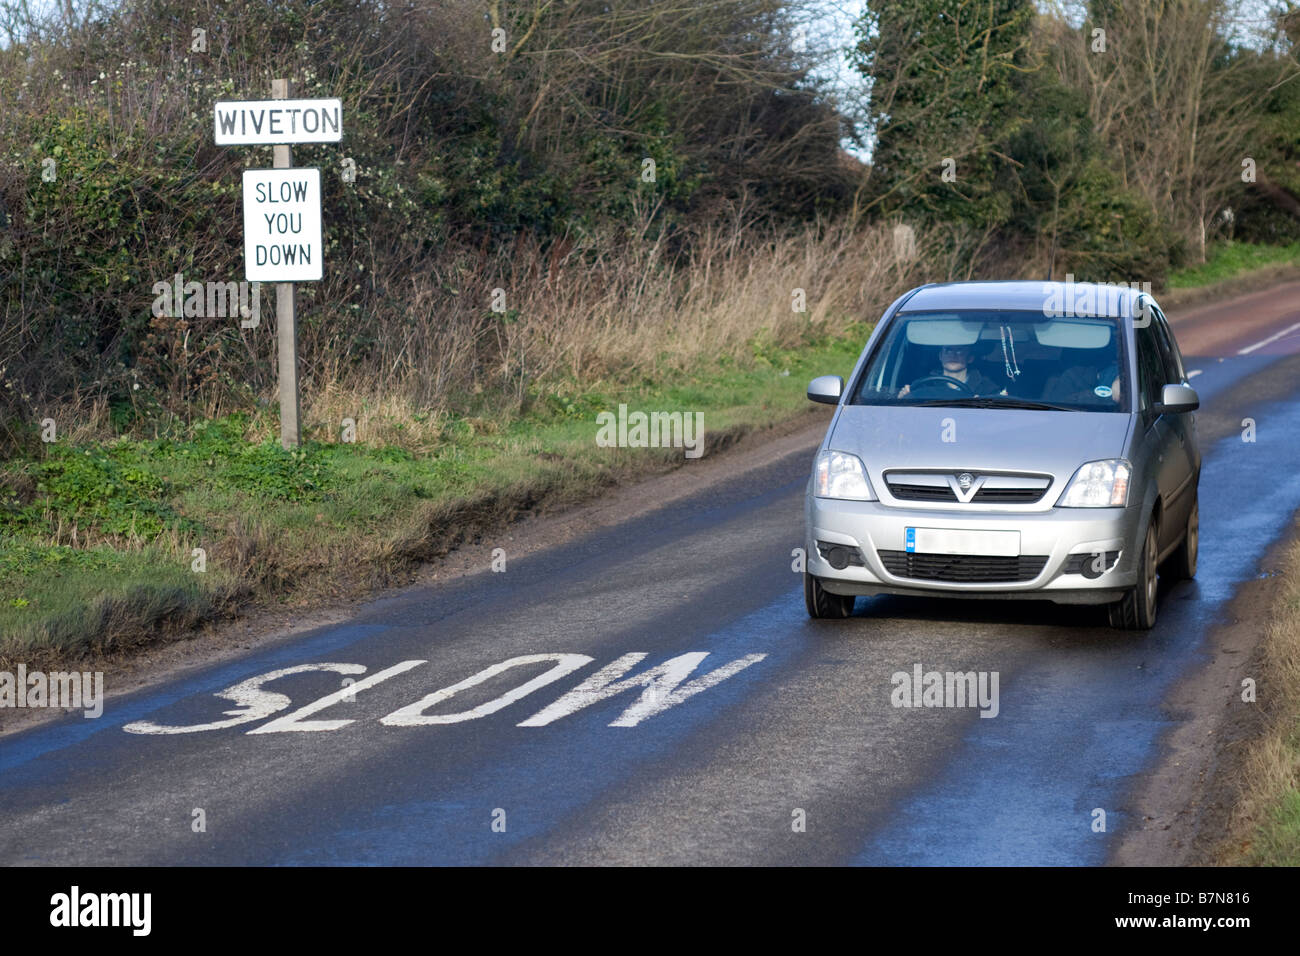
(1193, 373)
(249, 695)
(294, 721)
(1270, 340)
(661, 685)
(414, 715)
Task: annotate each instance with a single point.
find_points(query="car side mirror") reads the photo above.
(826, 389)
(1175, 399)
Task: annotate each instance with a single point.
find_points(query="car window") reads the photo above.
(996, 358)
(1169, 356)
(1151, 370)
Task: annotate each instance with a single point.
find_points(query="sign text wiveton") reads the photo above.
(253, 122)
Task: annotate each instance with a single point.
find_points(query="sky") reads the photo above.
(830, 28)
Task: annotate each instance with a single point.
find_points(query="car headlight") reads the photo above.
(1098, 484)
(837, 474)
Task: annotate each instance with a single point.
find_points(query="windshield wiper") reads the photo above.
(995, 401)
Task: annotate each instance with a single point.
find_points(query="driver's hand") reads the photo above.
(902, 392)
(1114, 390)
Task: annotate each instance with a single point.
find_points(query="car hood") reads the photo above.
(977, 439)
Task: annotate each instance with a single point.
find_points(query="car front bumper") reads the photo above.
(871, 527)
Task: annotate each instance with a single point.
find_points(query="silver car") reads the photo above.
(1008, 440)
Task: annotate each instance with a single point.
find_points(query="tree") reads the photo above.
(943, 100)
(1174, 94)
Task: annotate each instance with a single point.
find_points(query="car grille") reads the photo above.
(997, 489)
(1010, 496)
(973, 568)
(920, 492)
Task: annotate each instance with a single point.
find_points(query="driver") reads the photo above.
(956, 360)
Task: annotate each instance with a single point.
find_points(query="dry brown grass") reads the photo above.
(1271, 767)
(580, 316)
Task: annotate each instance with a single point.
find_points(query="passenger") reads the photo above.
(956, 360)
(1085, 384)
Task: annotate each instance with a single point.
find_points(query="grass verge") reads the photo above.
(1230, 260)
(106, 545)
(1265, 824)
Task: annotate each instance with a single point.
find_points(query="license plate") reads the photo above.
(955, 541)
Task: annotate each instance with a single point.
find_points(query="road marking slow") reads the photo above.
(662, 687)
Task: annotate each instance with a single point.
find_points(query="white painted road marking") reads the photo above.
(414, 716)
(1193, 373)
(660, 683)
(294, 721)
(1270, 340)
(663, 689)
(249, 694)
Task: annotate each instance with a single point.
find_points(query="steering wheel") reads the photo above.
(944, 380)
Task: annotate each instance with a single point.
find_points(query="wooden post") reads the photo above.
(286, 326)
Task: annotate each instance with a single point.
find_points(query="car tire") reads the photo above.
(1136, 611)
(822, 603)
(1182, 563)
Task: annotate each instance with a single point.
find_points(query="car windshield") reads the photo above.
(998, 359)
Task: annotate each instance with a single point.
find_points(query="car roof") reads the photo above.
(1028, 295)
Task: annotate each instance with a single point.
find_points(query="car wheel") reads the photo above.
(822, 603)
(1182, 563)
(1136, 611)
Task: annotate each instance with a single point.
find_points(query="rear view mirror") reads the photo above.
(826, 389)
(1179, 398)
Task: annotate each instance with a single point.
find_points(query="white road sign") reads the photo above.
(262, 122)
(282, 225)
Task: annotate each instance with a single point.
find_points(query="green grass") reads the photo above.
(1228, 260)
(1268, 777)
(1277, 842)
(97, 541)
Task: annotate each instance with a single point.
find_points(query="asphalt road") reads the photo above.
(768, 739)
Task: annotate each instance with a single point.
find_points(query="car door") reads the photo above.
(1162, 450)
